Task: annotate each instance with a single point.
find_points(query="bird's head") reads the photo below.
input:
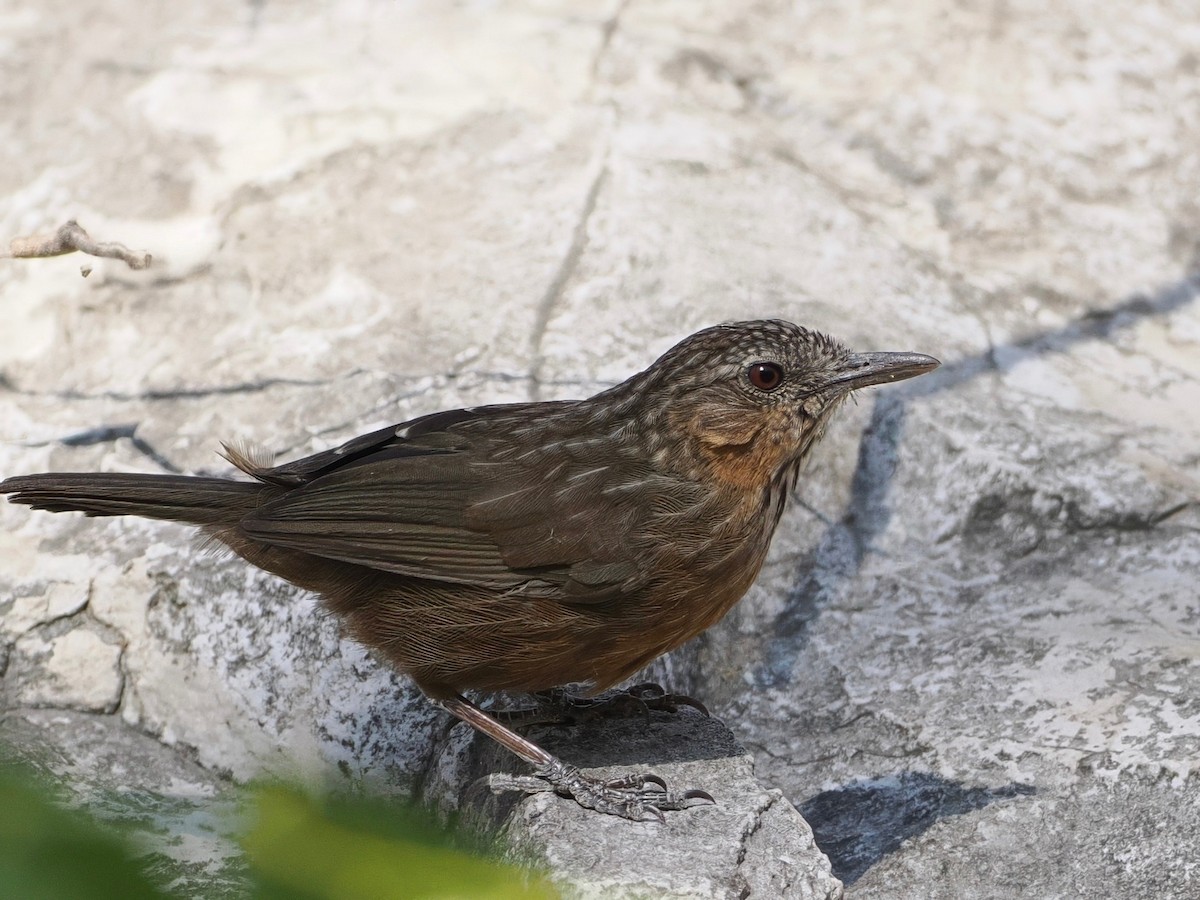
(751, 398)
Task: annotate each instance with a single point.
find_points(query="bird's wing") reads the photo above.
(436, 500)
(418, 437)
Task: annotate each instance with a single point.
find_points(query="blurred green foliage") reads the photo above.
(47, 853)
(296, 847)
(358, 850)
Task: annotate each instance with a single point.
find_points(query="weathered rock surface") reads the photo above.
(752, 842)
(973, 658)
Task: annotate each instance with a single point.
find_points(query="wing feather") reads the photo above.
(445, 499)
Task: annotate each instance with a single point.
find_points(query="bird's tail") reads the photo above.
(178, 498)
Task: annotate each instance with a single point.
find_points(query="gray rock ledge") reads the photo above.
(751, 843)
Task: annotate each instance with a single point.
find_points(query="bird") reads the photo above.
(523, 547)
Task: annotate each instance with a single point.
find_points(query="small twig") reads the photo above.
(71, 238)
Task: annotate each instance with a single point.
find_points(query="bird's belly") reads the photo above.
(560, 644)
(452, 637)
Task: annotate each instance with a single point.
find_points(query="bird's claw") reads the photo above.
(655, 697)
(639, 797)
(633, 702)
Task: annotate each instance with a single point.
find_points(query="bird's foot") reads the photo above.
(637, 797)
(639, 700)
(558, 707)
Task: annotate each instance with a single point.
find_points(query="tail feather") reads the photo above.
(178, 498)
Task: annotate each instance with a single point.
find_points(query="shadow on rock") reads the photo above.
(860, 823)
(839, 554)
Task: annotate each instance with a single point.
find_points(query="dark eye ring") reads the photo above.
(766, 376)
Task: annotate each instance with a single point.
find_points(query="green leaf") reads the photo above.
(47, 853)
(300, 849)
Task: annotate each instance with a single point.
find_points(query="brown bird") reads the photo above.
(527, 546)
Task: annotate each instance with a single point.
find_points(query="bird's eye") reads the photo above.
(766, 376)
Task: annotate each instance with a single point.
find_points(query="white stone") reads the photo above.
(76, 670)
(60, 599)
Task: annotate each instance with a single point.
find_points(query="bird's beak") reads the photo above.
(865, 369)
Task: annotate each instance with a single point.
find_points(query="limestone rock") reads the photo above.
(73, 669)
(973, 646)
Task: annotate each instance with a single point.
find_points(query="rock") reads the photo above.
(75, 669)
(61, 599)
(751, 842)
(973, 646)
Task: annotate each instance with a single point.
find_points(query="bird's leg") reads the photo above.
(635, 797)
(560, 707)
